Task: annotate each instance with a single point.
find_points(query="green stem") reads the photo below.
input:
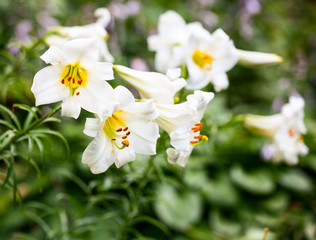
(32, 126)
(233, 121)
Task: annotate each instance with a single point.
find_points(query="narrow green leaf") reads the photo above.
(28, 121)
(7, 124)
(31, 110)
(12, 115)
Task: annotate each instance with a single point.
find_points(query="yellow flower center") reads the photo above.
(116, 129)
(198, 139)
(202, 59)
(73, 77)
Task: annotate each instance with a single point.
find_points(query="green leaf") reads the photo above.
(179, 210)
(31, 110)
(296, 180)
(7, 124)
(256, 182)
(12, 115)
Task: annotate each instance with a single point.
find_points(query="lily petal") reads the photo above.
(70, 108)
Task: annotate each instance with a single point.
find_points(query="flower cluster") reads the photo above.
(205, 57)
(80, 68)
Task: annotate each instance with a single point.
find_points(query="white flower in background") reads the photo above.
(128, 130)
(158, 86)
(183, 124)
(172, 32)
(208, 57)
(249, 58)
(284, 130)
(94, 30)
(75, 77)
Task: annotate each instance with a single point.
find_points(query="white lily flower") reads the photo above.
(128, 130)
(284, 130)
(183, 123)
(95, 30)
(208, 57)
(75, 77)
(158, 86)
(172, 32)
(250, 58)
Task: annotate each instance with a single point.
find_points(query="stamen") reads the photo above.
(203, 139)
(198, 136)
(113, 139)
(77, 93)
(126, 143)
(73, 80)
(291, 132)
(69, 79)
(199, 124)
(124, 137)
(128, 133)
(125, 129)
(63, 81)
(119, 130)
(79, 82)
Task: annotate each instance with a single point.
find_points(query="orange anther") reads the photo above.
(125, 129)
(119, 130)
(199, 124)
(291, 132)
(77, 93)
(69, 79)
(63, 81)
(113, 139)
(126, 143)
(128, 133)
(124, 137)
(79, 82)
(198, 136)
(193, 142)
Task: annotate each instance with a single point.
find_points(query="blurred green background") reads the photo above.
(226, 191)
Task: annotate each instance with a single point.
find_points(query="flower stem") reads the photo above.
(32, 126)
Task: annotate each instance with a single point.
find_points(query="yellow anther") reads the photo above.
(176, 99)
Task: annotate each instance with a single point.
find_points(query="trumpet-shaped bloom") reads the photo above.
(129, 129)
(284, 130)
(75, 77)
(95, 30)
(249, 58)
(183, 124)
(158, 86)
(208, 57)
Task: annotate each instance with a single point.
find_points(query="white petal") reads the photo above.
(82, 50)
(47, 87)
(102, 71)
(53, 55)
(92, 126)
(178, 157)
(70, 108)
(180, 138)
(144, 133)
(124, 156)
(124, 97)
(169, 21)
(220, 82)
(103, 15)
(99, 154)
(97, 97)
(173, 73)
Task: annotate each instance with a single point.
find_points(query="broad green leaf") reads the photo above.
(256, 182)
(179, 210)
(296, 180)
